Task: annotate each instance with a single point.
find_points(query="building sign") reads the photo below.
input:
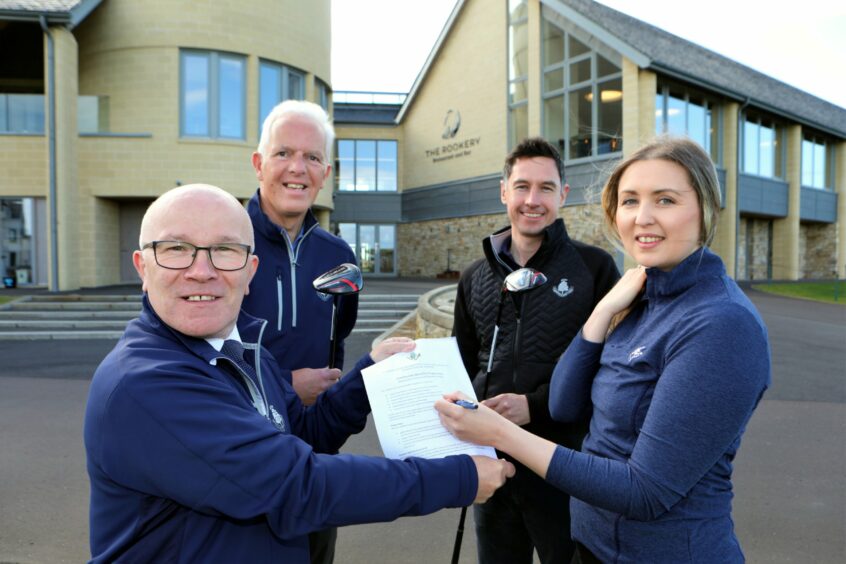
(451, 149)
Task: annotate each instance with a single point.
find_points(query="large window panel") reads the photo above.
(581, 141)
(277, 83)
(518, 70)
(212, 94)
(681, 112)
(767, 151)
(366, 165)
(195, 94)
(582, 94)
(610, 134)
(386, 159)
(751, 142)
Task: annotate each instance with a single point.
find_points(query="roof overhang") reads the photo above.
(71, 17)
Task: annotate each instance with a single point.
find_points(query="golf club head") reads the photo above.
(523, 279)
(343, 279)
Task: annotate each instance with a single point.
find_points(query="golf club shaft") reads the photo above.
(459, 535)
(332, 339)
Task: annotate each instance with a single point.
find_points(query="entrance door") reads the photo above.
(374, 246)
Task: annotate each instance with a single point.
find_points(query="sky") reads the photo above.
(381, 45)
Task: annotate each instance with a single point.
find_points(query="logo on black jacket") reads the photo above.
(277, 419)
(563, 289)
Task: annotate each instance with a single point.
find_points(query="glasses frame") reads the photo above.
(197, 249)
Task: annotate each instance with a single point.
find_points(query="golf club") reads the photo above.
(342, 280)
(521, 280)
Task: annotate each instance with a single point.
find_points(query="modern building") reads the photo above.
(105, 104)
(418, 181)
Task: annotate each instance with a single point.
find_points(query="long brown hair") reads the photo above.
(701, 174)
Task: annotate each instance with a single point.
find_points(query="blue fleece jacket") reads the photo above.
(184, 468)
(671, 392)
(299, 319)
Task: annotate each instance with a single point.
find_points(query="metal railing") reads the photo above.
(362, 97)
(24, 114)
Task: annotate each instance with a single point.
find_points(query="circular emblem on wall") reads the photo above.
(452, 121)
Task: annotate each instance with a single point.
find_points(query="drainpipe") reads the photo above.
(737, 190)
(51, 131)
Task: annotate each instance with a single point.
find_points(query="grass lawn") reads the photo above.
(818, 291)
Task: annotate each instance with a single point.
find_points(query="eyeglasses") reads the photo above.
(178, 255)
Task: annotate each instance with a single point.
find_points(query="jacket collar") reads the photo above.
(701, 264)
(553, 235)
(249, 327)
(264, 225)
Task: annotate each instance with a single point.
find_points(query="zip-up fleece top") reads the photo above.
(299, 319)
(671, 391)
(187, 466)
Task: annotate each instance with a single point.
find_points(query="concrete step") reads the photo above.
(67, 298)
(59, 315)
(73, 306)
(62, 324)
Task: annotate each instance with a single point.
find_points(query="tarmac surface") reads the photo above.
(790, 474)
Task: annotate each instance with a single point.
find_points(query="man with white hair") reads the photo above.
(197, 449)
(292, 162)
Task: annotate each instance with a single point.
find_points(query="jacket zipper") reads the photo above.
(279, 299)
(292, 258)
(516, 353)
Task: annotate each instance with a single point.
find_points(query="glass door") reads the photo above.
(374, 246)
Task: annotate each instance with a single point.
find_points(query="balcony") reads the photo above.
(24, 114)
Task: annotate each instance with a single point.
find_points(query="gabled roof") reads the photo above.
(669, 55)
(67, 12)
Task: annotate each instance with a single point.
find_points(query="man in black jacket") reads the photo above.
(534, 330)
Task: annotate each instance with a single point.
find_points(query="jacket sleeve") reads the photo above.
(714, 375)
(569, 387)
(464, 328)
(178, 434)
(339, 412)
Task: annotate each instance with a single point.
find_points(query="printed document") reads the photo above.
(402, 390)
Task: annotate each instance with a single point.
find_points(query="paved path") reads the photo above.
(790, 503)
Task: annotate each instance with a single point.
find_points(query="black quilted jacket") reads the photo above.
(529, 345)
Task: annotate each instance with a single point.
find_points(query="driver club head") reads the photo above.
(523, 279)
(345, 278)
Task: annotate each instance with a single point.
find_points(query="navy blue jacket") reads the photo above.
(184, 468)
(671, 391)
(299, 319)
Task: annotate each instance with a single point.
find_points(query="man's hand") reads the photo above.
(492, 474)
(514, 407)
(311, 382)
(390, 347)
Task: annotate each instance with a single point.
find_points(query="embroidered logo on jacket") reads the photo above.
(324, 297)
(277, 419)
(563, 289)
(637, 353)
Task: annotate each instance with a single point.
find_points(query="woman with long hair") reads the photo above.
(671, 364)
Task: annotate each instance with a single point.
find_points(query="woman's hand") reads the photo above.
(390, 347)
(616, 300)
(482, 426)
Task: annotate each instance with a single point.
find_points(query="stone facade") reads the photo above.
(430, 248)
(818, 250)
(754, 253)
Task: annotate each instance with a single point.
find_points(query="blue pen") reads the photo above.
(467, 404)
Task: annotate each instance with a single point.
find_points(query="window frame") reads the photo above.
(567, 90)
(213, 92)
(779, 151)
(826, 147)
(711, 107)
(284, 93)
(376, 161)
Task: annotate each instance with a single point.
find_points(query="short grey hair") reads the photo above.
(308, 110)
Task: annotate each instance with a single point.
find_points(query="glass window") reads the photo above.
(679, 112)
(212, 94)
(366, 165)
(346, 231)
(583, 96)
(816, 164)
(761, 151)
(277, 83)
(386, 159)
(518, 65)
(610, 134)
(346, 164)
(581, 140)
(553, 44)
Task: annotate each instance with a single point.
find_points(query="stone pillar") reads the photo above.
(786, 231)
(534, 90)
(66, 133)
(725, 242)
(840, 187)
(322, 216)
